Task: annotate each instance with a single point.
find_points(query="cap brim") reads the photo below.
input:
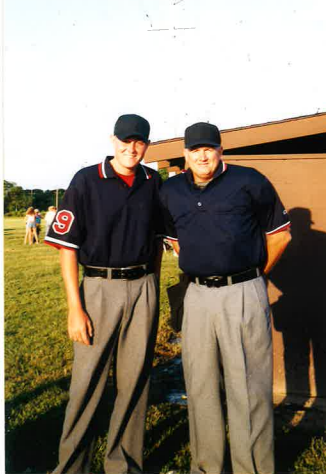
(200, 143)
(132, 135)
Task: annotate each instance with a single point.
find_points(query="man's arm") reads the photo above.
(79, 325)
(276, 244)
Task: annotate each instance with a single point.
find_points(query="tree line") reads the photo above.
(17, 199)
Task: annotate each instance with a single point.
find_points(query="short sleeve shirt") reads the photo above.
(109, 223)
(221, 228)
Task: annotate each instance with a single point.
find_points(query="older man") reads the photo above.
(107, 222)
(229, 227)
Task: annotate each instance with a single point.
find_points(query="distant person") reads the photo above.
(49, 216)
(38, 220)
(230, 228)
(108, 222)
(30, 233)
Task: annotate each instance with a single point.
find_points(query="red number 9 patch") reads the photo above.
(63, 222)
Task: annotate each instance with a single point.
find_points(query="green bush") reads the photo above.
(313, 460)
(19, 213)
(164, 174)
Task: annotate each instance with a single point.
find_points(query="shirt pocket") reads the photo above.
(229, 208)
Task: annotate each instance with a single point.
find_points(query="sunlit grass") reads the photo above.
(38, 353)
(38, 359)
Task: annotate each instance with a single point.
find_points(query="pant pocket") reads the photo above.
(261, 293)
(261, 296)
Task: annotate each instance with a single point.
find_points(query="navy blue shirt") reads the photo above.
(109, 223)
(221, 228)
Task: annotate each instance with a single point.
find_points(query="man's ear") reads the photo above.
(112, 139)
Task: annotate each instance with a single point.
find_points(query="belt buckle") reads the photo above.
(213, 281)
(215, 278)
(118, 274)
(127, 273)
(123, 274)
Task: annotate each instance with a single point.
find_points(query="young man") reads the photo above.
(107, 222)
(230, 228)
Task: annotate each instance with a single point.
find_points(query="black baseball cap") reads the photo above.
(132, 126)
(202, 133)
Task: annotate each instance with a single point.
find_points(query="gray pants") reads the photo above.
(229, 328)
(124, 316)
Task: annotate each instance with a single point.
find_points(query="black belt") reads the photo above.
(127, 273)
(217, 281)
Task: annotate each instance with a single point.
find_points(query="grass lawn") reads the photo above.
(38, 367)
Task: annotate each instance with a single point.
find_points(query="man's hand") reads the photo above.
(79, 327)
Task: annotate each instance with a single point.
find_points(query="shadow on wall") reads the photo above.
(300, 313)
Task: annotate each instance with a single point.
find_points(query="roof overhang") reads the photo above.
(246, 136)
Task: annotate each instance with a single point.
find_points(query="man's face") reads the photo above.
(203, 162)
(127, 154)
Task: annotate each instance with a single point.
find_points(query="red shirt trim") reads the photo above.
(57, 246)
(99, 166)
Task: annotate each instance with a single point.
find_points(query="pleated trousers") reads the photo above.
(226, 335)
(124, 315)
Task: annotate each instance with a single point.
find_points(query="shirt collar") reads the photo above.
(105, 170)
(221, 168)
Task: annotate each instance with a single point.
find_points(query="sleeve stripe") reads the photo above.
(278, 229)
(62, 243)
(171, 238)
(51, 244)
(57, 246)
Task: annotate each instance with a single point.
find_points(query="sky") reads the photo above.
(71, 67)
